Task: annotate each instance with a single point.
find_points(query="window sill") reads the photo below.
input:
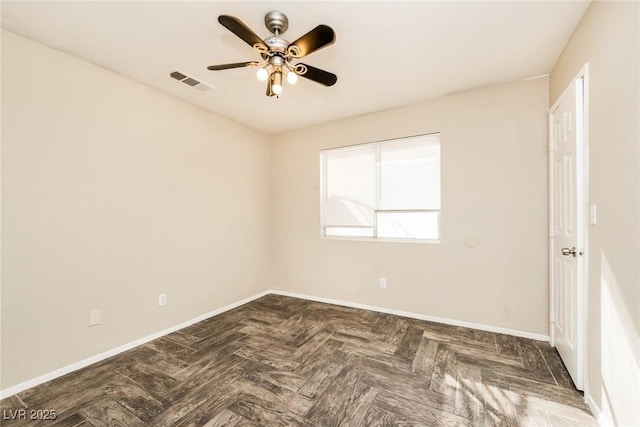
(380, 239)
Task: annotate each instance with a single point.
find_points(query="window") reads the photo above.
(383, 190)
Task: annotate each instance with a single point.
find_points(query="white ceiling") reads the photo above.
(386, 54)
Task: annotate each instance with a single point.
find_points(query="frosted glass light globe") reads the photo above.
(262, 74)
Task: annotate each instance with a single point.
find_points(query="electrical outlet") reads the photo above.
(383, 282)
(162, 300)
(94, 317)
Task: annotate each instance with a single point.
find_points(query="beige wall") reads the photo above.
(113, 193)
(494, 186)
(609, 40)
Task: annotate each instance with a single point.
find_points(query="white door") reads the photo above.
(567, 232)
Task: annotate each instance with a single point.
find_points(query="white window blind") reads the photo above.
(388, 189)
(351, 187)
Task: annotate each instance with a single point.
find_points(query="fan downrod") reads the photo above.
(276, 22)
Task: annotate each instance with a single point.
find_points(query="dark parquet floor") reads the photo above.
(281, 361)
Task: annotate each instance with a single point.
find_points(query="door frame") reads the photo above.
(582, 176)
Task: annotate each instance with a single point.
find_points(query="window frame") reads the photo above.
(375, 238)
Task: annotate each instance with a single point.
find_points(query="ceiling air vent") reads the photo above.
(191, 81)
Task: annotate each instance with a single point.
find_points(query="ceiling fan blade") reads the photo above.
(234, 65)
(239, 28)
(319, 37)
(317, 75)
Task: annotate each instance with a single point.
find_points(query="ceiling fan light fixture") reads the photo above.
(262, 74)
(277, 82)
(292, 77)
(270, 86)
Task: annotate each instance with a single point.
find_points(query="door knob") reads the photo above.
(567, 251)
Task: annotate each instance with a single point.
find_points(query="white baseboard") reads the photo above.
(109, 353)
(596, 412)
(114, 351)
(480, 326)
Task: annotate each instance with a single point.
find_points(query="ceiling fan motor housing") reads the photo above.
(276, 44)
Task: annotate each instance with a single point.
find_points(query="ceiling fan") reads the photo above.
(278, 55)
